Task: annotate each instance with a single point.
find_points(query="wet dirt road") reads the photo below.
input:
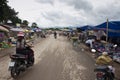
(56, 59)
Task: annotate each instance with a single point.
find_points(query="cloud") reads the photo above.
(68, 12)
(79, 4)
(46, 1)
(108, 9)
(52, 16)
(60, 18)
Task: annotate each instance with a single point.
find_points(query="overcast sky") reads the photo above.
(47, 13)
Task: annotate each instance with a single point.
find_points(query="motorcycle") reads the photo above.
(19, 63)
(55, 36)
(103, 73)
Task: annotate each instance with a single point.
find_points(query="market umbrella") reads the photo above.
(3, 29)
(17, 29)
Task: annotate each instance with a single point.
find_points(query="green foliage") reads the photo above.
(16, 20)
(8, 13)
(4, 45)
(66, 28)
(25, 22)
(34, 25)
(3, 4)
(54, 28)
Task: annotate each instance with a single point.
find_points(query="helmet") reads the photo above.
(105, 53)
(20, 34)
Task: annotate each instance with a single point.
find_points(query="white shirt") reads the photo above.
(89, 41)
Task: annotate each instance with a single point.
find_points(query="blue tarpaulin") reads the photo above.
(113, 28)
(87, 27)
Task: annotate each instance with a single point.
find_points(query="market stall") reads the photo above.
(3, 37)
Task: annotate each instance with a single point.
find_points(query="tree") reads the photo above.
(7, 13)
(3, 4)
(34, 25)
(16, 20)
(25, 23)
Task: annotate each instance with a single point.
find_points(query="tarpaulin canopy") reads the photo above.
(3, 29)
(113, 28)
(87, 27)
(37, 29)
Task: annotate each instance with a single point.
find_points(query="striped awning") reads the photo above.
(3, 29)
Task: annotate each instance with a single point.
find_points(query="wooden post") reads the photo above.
(107, 36)
(107, 31)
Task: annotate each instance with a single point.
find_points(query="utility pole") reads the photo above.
(107, 35)
(107, 31)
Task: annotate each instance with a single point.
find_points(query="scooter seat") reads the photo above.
(101, 68)
(18, 56)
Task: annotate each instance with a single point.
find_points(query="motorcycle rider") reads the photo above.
(105, 60)
(22, 47)
(55, 34)
(20, 43)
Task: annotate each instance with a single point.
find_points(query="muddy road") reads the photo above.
(55, 59)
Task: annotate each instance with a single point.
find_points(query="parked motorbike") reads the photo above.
(103, 73)
(19, 63)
